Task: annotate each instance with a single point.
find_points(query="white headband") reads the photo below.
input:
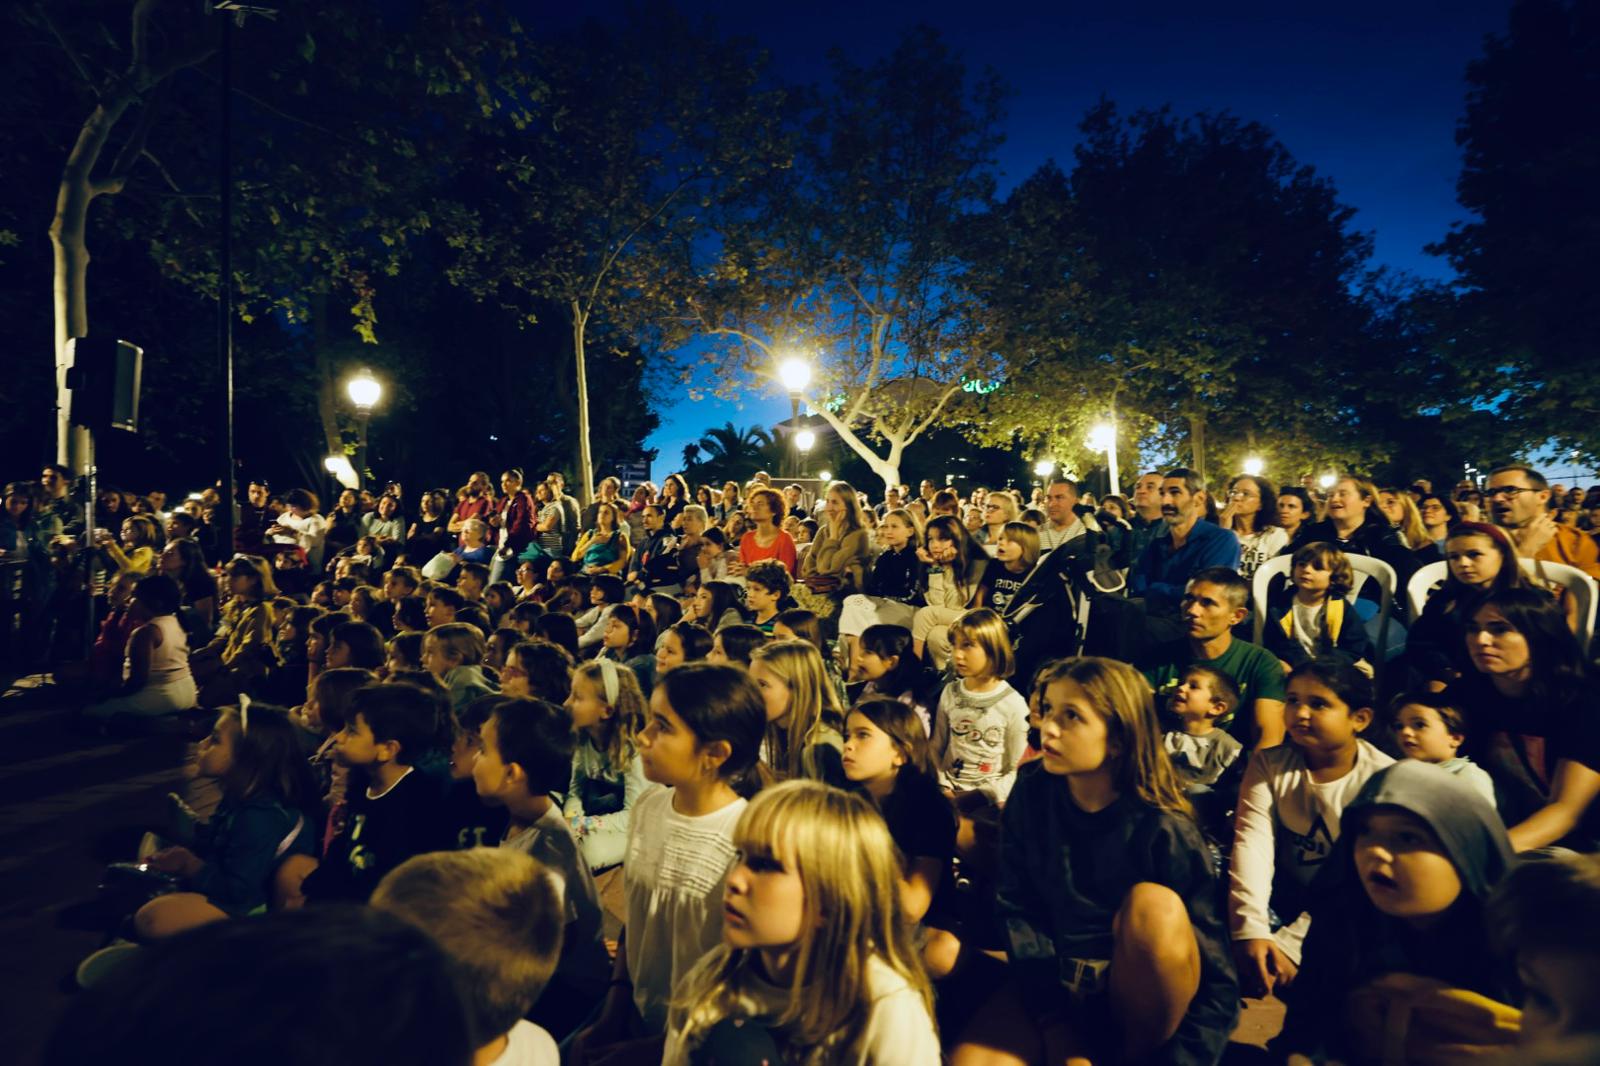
(608, 677)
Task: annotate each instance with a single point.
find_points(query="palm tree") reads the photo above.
(733, 454)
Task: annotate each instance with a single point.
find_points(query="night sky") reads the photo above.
(1367, 93)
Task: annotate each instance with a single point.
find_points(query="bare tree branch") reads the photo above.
(73, 56)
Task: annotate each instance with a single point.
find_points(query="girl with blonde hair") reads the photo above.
(608, 712)
(805, 720)
(1106, 891)
(816, 963)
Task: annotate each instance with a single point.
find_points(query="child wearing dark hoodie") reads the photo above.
(454, 653)
(1398, 926)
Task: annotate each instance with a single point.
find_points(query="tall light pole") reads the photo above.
(795, 373)
(365, 391)
(1103, 438)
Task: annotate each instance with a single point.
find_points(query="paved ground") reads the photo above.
(70, 803)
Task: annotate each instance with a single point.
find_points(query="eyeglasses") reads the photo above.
(1510, 492)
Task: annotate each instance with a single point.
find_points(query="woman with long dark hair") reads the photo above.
(1252, 514)
(1530, 719)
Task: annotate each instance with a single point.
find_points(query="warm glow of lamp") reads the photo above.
(1254, 466)
(825, 475)
(805, 440)
(364, 390)
(1328, 481)
(795, 373)
(345, 474)
(1044, 468)
(1103, 437)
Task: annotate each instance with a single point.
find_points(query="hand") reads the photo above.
(180, 861)
(1263, 967)
(1532, 537)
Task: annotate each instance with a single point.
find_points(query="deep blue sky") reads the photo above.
(1367, 93)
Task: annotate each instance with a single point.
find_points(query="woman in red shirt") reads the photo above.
(764, 508)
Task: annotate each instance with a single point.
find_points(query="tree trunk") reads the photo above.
(67, 237)
(888, 469)
(327, 387)
(585, 460)
(1197, 444)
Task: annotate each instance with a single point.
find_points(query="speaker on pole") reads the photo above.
(104, 379)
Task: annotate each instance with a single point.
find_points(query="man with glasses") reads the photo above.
(1519, 499)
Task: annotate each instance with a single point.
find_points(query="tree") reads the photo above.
(1194, 278)
(626, 137)
(163, 39)
(728, 453)
(1530, 137)
(854, 255)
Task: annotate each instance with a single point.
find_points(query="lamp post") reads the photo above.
(1253, 467)
(805, 440)
(1103, 438)
(795, 373)
(365, 392)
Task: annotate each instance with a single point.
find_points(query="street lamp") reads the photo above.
(345, 474)
(825, 475)
(364, 391)
(1044, 468)
(1254, 466)
(1103, 438)
(795, 373)
(805, 440)
(1328, 481)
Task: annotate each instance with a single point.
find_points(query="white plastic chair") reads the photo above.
(1579, 585)
(1366, 569)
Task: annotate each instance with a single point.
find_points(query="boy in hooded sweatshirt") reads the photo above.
(1398, 926)
(454, 653)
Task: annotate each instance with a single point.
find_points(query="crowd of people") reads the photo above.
(1002, 777)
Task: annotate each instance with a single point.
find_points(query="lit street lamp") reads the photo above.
(795, 373)
(1254, 466)
(1328, 481)
(1103, 438)
(1044, 468)
(364, 391)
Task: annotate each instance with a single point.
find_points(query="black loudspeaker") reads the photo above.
(104, 379)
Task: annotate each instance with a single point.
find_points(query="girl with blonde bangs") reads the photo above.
(816, 963)
(805, 720)
(1107, 892)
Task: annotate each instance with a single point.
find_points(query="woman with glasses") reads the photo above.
(1438, 514)
(998, 509)
(1251, 513)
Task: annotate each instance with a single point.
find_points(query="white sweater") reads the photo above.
(979, 738)
(1285, 829)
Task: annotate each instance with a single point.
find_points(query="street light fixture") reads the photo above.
(1103, 438)
(805, 440)
(364, 391)
(1044, 468)
(1328, 481)
(795, 373)
(1254, 466)
(825, 475)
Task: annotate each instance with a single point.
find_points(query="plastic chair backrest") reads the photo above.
(1366, 568)
(1579, 585)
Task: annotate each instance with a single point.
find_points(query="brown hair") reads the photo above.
(1324, 556)
(1448, 711)
(904, 728)
(984, 628)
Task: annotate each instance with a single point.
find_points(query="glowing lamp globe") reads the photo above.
(795, 373)
(1253, 467)
(364, 390)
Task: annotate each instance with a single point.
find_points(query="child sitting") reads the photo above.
(684, 642)
(883, 661)
(498, 915)
(403, 652)
(1288, 815)
(1200, 752)
(267, 798)
(804, 719)
(608, 712)
(539, 670)
(499, 645)
(242, 650)
(735, 644)
(816, 962)
(156, 677)
(471, 822)
(471, 580)
(1397, 916)
(1319, 621)
(393, 810)
(981, 725)
(454, 653)
(766, 592)
(1430, 728)
(1017, 552)
(1107, 891)
(526, 755)
(706, 723)
(886, 757)
(1545, 917)
(443, 605)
